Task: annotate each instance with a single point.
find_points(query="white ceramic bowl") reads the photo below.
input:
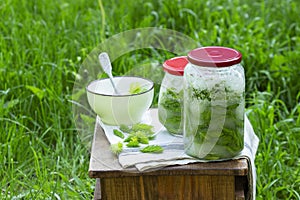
(123, 108)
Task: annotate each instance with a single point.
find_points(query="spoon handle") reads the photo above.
(113, 84)
(105, 63)
(107, 68)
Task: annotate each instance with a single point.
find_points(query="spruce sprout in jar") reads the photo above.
(214, 101)
(170, 102)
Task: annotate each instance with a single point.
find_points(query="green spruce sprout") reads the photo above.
(117, 148)
(118, 133)
(152, 149)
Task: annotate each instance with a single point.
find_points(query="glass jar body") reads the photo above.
(214, 102)
(170, 104)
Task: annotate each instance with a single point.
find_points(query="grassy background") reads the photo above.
(42, 46)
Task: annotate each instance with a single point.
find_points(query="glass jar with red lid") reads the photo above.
(214, 101)
(170, 101)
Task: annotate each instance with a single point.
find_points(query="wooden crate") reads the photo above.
(212, 180)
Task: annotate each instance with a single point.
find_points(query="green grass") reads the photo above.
(43, 44)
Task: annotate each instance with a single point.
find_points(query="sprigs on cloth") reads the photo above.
(137, 134)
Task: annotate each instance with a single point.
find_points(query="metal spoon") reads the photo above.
(106, 66)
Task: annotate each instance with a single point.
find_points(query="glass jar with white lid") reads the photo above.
(214, 101)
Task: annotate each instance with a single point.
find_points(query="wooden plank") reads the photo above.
(122, 188)
(223, 187)
(241, 187)
(168, 187)
(165, 187)
(97, 192)
(182, 187)
(104, 164)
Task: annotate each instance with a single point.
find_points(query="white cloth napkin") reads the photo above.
(173, 153)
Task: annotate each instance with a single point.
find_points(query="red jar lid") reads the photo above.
(175, 66)
(214, 56)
